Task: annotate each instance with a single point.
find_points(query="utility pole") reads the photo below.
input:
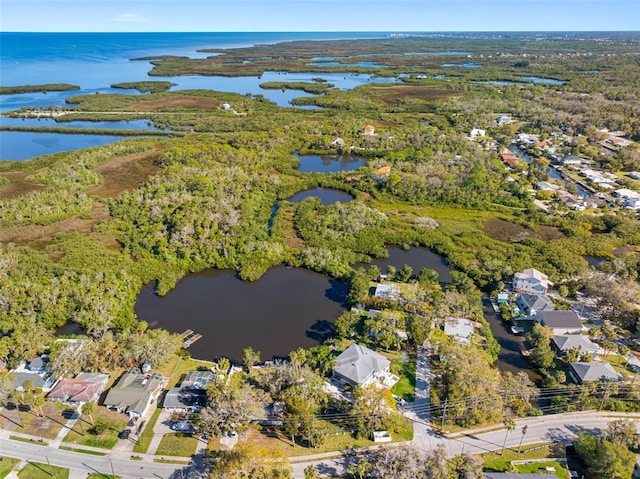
(524, 431)
(50, 468)
(113, 474)
(444, 412)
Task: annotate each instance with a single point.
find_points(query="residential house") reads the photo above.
(571, 160)
(635, 175)
(369, 130)
(632, 204)
(476, 132)
(387, 291)
(594, 371)
(382, 173)
(85, 387)
(560, 322)
(35, 371)
(546, 186)
(529, 303)
(626, 193)
(531, 281)
(191, 395)
(564, 343)
(134, 392)
(359, 365)
(503, 298)
(460, 329)
(226, 106)
(504, 120)
(337, 142)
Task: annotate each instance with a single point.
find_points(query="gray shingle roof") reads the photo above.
(595, 371)
(357, 363)
(133, 391)
(177, 398)
(560, 319)
(565, 342)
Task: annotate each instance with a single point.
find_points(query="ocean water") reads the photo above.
(95, 61)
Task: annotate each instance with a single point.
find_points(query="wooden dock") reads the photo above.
(189, 337)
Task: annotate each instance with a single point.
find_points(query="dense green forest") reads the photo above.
(83, 231)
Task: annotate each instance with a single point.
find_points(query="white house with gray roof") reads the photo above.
(530, 304)
(593, 371)
(531, 281)
(359, 365)
(134, 392)
(564, 343)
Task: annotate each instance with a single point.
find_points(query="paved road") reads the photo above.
(89, 463)
(559, 427)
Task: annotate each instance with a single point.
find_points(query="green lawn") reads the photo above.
(98, 475)
(539, 467)
(104, 431)
(147, 434)
(493, 461)
(6, 466)
(178, 444)
(406, 386)
(37, 470)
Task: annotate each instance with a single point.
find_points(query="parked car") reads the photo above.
(125, 434)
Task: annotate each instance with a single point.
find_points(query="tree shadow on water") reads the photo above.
(320, 331)
(337, 292)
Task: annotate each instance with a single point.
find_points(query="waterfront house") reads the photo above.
(337, 142)
(191, 395)
(369, 130)
(571, 160)
(561, 322)
(635, 175)
(531, 281)
(460, 329)
(594, 371)
(387, 291)
(564, 343)
(35, 371)
(134, 392)
(529, 303)
(359, 365)
(85, 387)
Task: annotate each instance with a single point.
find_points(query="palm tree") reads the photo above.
(37, 402)
(509, 425)
(87, 409)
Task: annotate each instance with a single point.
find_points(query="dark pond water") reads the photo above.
(329, 163)
(417, 258)
(510, 357)
(285, 309)
(327, 196)
(21, 145)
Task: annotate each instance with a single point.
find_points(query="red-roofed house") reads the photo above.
(369, 130)
(85, 387)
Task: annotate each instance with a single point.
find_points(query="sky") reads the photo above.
(317, 15)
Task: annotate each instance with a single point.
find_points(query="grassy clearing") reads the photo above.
(539, 467)
(493, 461)
(29, 423)
(103, 433)
(6, 465)
(147, 435)
(337, 441)
(406, 386)
(37, 470)
(179, 444)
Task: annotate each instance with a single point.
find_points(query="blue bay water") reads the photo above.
(95, 61)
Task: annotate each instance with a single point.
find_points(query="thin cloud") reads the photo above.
(131, 18)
